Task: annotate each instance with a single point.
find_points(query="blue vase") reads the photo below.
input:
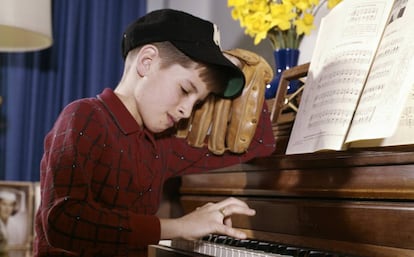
(285, 58)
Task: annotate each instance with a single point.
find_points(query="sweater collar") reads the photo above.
(120, 114)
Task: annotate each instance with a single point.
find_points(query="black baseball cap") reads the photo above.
(197, 38)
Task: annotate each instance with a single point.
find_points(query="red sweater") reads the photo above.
(102, 176)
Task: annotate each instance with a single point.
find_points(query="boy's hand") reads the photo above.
(211, 218)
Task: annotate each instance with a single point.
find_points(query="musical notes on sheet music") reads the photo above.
(362, 21)
(341, 95)
(363, 117)
(335, 74)
(363, 14)
(378, 72)
(372, 93)
(349, 57)
(407, 117)
(332, 77)
(381, 70)
(389, 49)
(333, 116)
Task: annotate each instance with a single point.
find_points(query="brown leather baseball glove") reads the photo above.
(230, 124)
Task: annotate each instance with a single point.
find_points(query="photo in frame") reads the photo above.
(16, 218)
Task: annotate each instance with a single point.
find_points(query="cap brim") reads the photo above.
(214, 56)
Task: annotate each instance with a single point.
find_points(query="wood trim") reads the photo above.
(280, 101)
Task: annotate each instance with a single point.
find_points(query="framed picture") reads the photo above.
(16, 218)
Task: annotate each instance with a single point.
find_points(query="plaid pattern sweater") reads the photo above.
(102, 176)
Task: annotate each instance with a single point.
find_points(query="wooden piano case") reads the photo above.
(358, 202)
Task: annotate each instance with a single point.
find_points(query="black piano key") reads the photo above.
(242, 243)
(294, 251)
(263, 246)
(207, 238)
(314, 253)
(303, 253)
(290, 251)
(252, 244)
(272, 248)
(220, 239)
(213, 238)
(233, 241)
(279, 249)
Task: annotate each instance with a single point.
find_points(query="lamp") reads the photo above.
(25, 25)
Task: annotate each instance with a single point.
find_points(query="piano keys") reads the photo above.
(224, 246)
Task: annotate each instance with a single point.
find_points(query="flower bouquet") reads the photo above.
(283, 22)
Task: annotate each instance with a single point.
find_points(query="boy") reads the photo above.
(106, 158)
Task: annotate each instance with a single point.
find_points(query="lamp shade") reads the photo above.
(25, 25)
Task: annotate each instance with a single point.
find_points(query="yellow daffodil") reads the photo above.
(283, 22)
(304, 25)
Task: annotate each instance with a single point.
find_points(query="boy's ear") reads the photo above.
(145, 59)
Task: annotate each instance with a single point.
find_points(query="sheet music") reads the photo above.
(404, 133)
(389, 82)
(347, 41)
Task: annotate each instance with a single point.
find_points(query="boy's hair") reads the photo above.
(211, 75)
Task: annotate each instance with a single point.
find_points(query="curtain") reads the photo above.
(35, 87)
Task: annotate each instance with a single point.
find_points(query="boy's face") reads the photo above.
(170, 96)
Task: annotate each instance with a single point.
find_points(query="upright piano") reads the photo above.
(358, 202)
